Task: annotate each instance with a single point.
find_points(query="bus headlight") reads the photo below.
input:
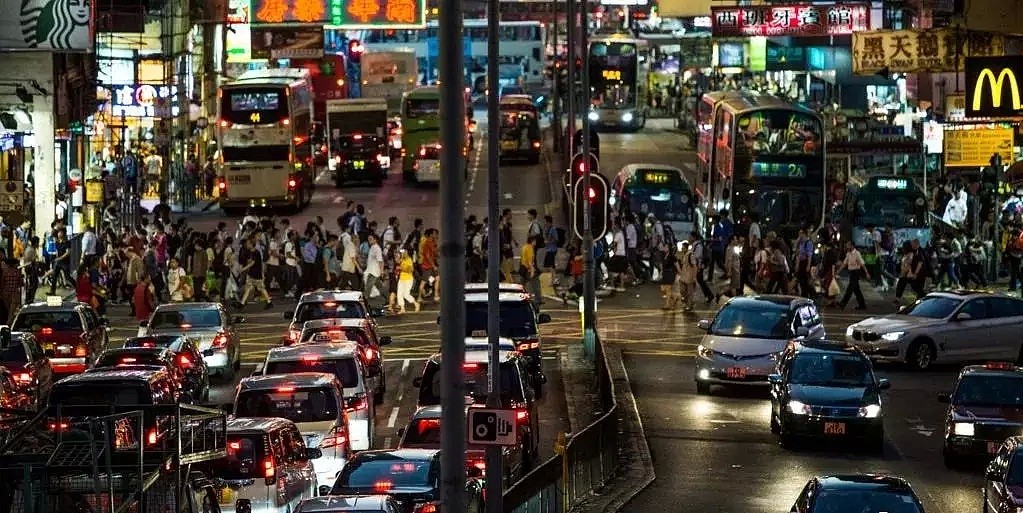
(627, 117)
(593, 116)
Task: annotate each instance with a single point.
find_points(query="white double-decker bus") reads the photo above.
(389, 75)
(264, 125)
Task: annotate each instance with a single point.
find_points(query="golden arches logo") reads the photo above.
(995, 86)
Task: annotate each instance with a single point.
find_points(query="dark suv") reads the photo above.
(520, 322)
(358, 158)
(30, 370)
(515, 392)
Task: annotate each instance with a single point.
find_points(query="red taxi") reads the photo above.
(70, 333)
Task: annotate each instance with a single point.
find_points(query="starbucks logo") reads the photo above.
(56, 24)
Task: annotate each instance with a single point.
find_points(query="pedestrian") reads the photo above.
(11, 286)
(857, 268)
(406, 278)
(134, 273)
(372, 277)
(177, 284)
(331, 261)
(350, 270)
(528, 273)
(253, 267)
(689, 275)
(32, 268)
(670, 272)
(142, 299)
(429, 270)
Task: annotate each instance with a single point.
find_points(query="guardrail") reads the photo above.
(582, 464)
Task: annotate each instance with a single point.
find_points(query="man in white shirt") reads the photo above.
(631, 246)
(857, 268)
(89, 243)
(374, 269)
(391, 237)
(349, 263)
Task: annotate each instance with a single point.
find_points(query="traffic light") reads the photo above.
(579, 165)
(355, 51)
(597, 196)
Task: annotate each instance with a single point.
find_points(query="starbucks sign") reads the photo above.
(56, 25)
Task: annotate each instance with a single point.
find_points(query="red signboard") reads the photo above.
(790, 20)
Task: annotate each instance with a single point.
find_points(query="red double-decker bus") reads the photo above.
(328, 78)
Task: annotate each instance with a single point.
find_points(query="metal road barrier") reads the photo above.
(582, 464)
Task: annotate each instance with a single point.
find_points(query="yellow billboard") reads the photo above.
(974, 147)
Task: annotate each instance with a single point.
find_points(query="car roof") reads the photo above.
(295, 379)
(828, 347)
(338, 323)
(337, 503)
(321, 296)
(237, 425)
(426, 412)
(992, 369)
(112, 375)
(41, 306)
(969, 294)
(195, 305)
(404, 454)
(501, 287)
(480, 356)
(319, 350)
(765, 300)
(503, 297)
(865, 482)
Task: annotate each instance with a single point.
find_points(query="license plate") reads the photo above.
(509, 145)
(239, 179)
(736, 373)
(834, 428)
(359, 164)
(992, 447)
(226, 496)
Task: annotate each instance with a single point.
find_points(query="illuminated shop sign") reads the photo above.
(144, 101)
(993, 86)
(790, 20)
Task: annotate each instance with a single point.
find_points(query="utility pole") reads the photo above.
(452, 255)
(570, 23)
(494, 468)
(555, 78)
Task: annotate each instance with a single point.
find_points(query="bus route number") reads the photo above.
(612, 74)
(254, 117)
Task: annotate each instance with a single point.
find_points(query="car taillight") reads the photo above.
(292, 183)
(46, 331)
(81, 351)
(268, 468)
(526, 345)
(23, 378)
(128, 361)
(371, 354)
(382, 486)
(184, 361)
(477, 463)
(427, 508)
(220, 341)
(58, 426)
(224, 123)
(335, 439)
(358, 403)
(222, 185)
(151, 436)
(522, 416)
(422, 153)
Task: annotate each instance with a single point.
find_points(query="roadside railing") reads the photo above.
(583, 462)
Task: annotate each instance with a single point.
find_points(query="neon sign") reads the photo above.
(611, 74)
(892, 184)
(995, 73)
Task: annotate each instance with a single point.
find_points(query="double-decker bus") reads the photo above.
(888, 200)
(327, 75)
(264, 123)
(618, 82)
(389, 75)
(522, 49)
(762, 157)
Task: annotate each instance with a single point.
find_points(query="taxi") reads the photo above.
(359, 331)
(326, 304)
(984, 408)
(72, 334)
(520, 323)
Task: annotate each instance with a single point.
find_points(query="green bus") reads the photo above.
(420, 123)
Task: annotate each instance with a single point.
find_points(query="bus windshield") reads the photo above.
(422, 107)
(665, 204)
(907, 209)
(253, 105)
(613, 74)
(779, 132)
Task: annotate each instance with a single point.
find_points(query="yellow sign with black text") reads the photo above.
(973, 148)
(993, 87)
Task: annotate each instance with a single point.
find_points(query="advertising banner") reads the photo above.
(343, 14)
(287, 42)
(993, 86)
(974, 147)
(790, 20)
(54, 25)
(912, 51)
(239, 37)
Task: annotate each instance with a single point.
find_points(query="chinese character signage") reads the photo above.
(342, 14)
(790, 20)
(911, 51)
(144, 101)
(239, 37)
(287, 42)
(993, 86)
(46, 25)
(974, 147)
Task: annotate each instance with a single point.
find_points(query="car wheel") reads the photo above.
(702, 388)
(920, 355)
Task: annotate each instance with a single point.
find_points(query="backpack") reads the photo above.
(562, 237)
(888, 241)
(363, 255)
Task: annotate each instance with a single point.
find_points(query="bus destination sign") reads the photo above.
(779, 170)
(657, 177)
(611, 74)
(892, 184)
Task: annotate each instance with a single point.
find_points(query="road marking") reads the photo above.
(393, 419)
(405, 364)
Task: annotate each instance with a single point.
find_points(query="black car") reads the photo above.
(855, 493)
(30, 370)
(358, 157)
(188, 357)
(519, 321)
(984, 409)
(143, 358)
(515, 392)
(410, 476)
(1003, 478)
(827, 390)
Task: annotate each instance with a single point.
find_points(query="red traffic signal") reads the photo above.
(579, 163)
(595, 194)
(355, 50)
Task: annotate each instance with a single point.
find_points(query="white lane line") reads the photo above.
(405, 364)
(393, 419)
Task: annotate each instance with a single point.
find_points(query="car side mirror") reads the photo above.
(802, 332)
(884, 384)
(774, 379)
(312, 453)
(943, 397)
(401, 432)
(144, 323)
(324, 490)
(385, 340)
(238, 319)
(258, 371)
(703, 324)
(544, 318)
(417, 381)
(286, 315)
(49, 353)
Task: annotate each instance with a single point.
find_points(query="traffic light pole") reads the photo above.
(589, 274)
(572, 29)
(452, 256)
(555, 90)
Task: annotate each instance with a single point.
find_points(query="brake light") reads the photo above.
(357, 137)
(310, 358)
(185, 326)
(151, 436)
(478, 463)
(371, 354)
(224, 123)
(522, 415)
(220, 341)
(59, 426)
(292, 183)
(268, 468)
(148, 344)
(46, 331)
(422, 152)
(335, 439)
(125, 361)
(23, 378)
(470, 367)
(222, 184)
(330, 304)
(358, 403)
(285, 121)
(234, 446)
(528, 344)
(285, 389)
(382, 486)
(998, 365)
(427, 508)
(184, 360)
(335, 332)
(81, 351)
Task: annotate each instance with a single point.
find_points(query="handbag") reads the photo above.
(833, 288)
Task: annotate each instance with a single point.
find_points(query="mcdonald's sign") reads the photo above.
(994, 87)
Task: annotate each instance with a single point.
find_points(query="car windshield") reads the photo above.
(344, 368)
(186, 319)
(989, 390)
(115, 358)
(335, 335)
(767, 320)
(477, 384)
(382, 471)
(100, 393)
(518, 320)
(57, 320)
(832, 370)
(330, 310)
(933, 307)
(244, 454)
(845, 501)
(168, 341)
(317, 404)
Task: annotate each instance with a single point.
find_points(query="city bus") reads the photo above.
(389, 75)
(522, 49)
(420, 123)
(618, 82)
(520, 130)
(264, 122)
(889, 200)
(761, 157)
(660, 190)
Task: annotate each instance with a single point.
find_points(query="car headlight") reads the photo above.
(593, 116)
(892, 336)
(798, 408)
(704, 352)
(627, 117)
(962, 429)
(870, 411)
(849, 331)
